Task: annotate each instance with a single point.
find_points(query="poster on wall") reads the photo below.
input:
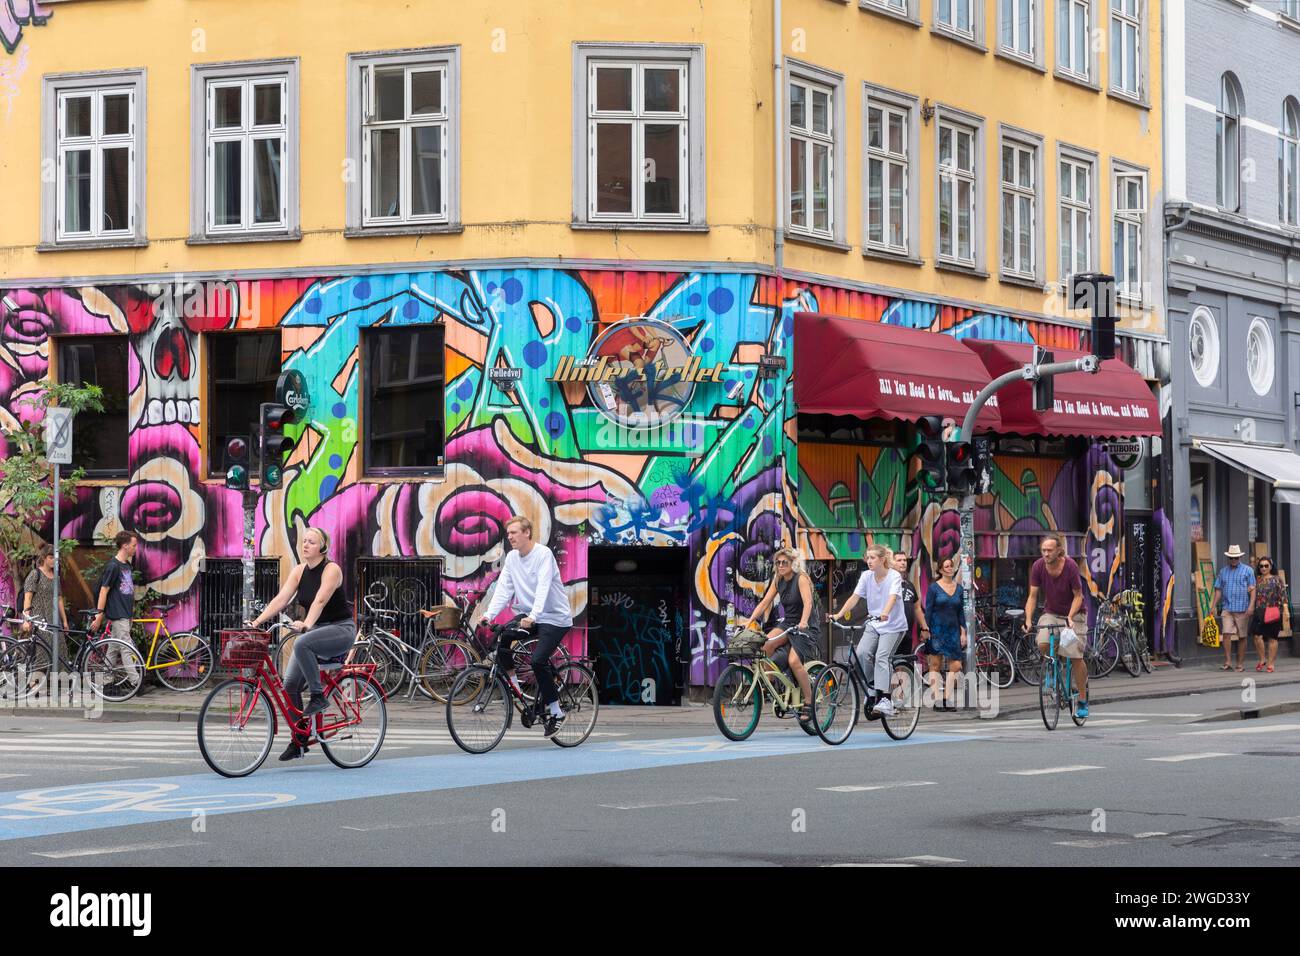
(1198, 499)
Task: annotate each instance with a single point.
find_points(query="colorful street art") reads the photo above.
(723, 478)
(16, 14)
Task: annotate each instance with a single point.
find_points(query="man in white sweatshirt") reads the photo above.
(530, 583)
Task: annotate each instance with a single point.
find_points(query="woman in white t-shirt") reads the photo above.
(882, 588)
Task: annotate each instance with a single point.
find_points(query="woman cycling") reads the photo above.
(882, 588)
(326, 631)
(793, 588)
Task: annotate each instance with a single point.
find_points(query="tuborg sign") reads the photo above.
(1127, 454)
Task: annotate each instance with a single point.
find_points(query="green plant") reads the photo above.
(26, 490)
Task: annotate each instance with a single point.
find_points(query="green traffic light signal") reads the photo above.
(928, 449)
(237, 478)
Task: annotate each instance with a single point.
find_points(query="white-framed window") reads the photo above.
(1228, 144)
(958, 16)
(899, 5)
(1126, 47)
(245, 159)
(1073, 39)
(889, 151)
(1076, 195)
(1259, 356)
(93, 138)
(1019, 192)
(811, 131)
(1017, 26)
(1203, 346)
(1288, 164)
(958, 172)
(1129, 204)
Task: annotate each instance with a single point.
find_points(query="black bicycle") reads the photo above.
(840, 690)
(482, 702)
(112, 668)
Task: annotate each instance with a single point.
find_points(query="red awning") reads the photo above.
(1115, 402)
(869, 370)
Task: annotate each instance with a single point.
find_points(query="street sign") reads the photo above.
(505, 378)
(58, 435)
(1126, 455)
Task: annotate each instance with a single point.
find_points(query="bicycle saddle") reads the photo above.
(333, 663)
(1014, 612)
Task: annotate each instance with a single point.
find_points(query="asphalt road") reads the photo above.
(1144, 783)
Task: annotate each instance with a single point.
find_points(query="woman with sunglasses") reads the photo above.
(793, 588)
(1270, 602)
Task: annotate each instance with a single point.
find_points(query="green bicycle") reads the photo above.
(745, 687)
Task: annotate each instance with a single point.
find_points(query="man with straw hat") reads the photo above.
(1236, 585)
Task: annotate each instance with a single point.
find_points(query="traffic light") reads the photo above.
(1044, 387)
(1095, 291)
(237, 463)
(959, 466)
(276, 445)
(929, 449)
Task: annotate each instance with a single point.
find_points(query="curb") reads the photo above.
(1157, 695)
(1252, 713)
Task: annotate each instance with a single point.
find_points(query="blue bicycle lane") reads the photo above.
(68, 809)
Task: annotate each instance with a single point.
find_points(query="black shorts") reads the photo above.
(805, 646)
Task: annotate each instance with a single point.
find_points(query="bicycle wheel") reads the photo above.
(994, 663)
(1029, 663)
(114, 669)
(577, 687)
(1049, 698)
(388, 673)
(836, 705)
(236, 728)
(441, 662)
(1105, 653)
(23, 662)
(737, 702)
(1129, 653)
(186, 667)
(360, 701)
(1144, 650)
(907, 693)
(479, 724)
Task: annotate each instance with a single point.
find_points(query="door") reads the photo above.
(1142, 561)
(638, 609)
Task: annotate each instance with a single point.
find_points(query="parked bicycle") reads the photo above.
(238, 720)
(183, 662)
(112, 668)
(751, 681)
(1135, 652)
(843, 691)
(482, 703)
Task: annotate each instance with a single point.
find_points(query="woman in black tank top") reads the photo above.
(326, 630)
(793, 642)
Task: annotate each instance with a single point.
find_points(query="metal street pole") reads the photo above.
(250, 515)
(58, 621)
(1028, 373)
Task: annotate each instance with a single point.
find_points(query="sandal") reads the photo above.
(805, 713)
(1226, 667)
(1259, 666)
(1240, 669)
(1269, 668)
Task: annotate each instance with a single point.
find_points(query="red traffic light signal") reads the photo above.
(960, 466)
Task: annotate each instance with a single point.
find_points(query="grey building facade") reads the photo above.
(1232, 219)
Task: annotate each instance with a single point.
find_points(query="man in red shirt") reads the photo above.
(1056, 577)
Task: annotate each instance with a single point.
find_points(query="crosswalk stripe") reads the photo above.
(43, 748)
(849, 788)
(1179, 758)
(1035, 773)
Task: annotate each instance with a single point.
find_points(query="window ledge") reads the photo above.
(437, 476)
(295, 236)
(431, 229)
(1021, 61)
(893, 13)
(1287, 23)
(1128, 98)
(960, 268)
(817, 241)
(81, 245)
(639, 226)
(885, 255)
(959, 38)
(1076, 80)
(101, 482)
(1028, 283)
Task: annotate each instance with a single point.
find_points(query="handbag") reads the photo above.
(1272, 615)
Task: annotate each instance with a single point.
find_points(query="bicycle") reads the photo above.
(382, 646)
(1103, 650)
(741, 691)
(114, 682)
(994, 662)
(239, 719)
(490, 701)
(1135, 652)
(841, 688)
(188, 666)
(1056, 689)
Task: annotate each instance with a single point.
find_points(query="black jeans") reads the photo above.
(548, 639)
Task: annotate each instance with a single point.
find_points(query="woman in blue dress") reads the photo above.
(943, 612)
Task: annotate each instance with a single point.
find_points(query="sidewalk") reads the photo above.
(159, 704)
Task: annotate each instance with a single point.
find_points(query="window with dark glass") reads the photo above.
(99, 439)
(242, 369)
(403, 411)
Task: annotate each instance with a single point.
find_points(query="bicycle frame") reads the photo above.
(790, 696)
(267, 679)
(858, 674)
(159, 627)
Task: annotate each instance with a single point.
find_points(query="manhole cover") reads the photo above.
(1121, 822)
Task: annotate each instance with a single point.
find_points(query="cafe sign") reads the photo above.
(639, 373)
(1126, 455)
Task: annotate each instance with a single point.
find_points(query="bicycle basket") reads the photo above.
(244, 648)
(446, 618)
(744, 643)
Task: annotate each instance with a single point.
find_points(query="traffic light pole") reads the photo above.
(250, 518)
(1027, 373)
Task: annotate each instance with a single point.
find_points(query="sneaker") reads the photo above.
(885, 708)
(317, 704)
(292, 752)
(1082, 709)
(552, 724)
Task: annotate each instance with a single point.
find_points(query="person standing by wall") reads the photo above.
(911, 605)
(116, 599)
(1270, 605)
(1235, 585)
(943, 609)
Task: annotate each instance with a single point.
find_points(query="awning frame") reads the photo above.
(1212, 449)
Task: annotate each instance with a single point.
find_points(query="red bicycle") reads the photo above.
(237, 723)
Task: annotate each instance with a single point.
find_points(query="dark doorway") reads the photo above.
(638, 602)
(1143, 547)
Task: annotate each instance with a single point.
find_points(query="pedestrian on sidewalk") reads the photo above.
(1235, 585)
(1266, 623)
(38, 597)
(943, 609)
(116, 599)
(911, 605)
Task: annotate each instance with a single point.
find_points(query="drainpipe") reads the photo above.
(778, 154)
(1170, 228)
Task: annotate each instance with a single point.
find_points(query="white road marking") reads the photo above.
(873, 864)
(1269, 729)
(45, 748)
(928, 859)
(4, 776)
(1287, 821)
(1089, 844)
(1179, 758)
(849, 788)
(1153, 833)
(135, 848)
(1116, 713)
(1035, 773)
(667, 803)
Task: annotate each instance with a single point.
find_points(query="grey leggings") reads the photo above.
(878, 645)
(320, 643)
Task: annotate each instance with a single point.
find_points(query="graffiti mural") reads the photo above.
(721, 475)
(16, 14)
